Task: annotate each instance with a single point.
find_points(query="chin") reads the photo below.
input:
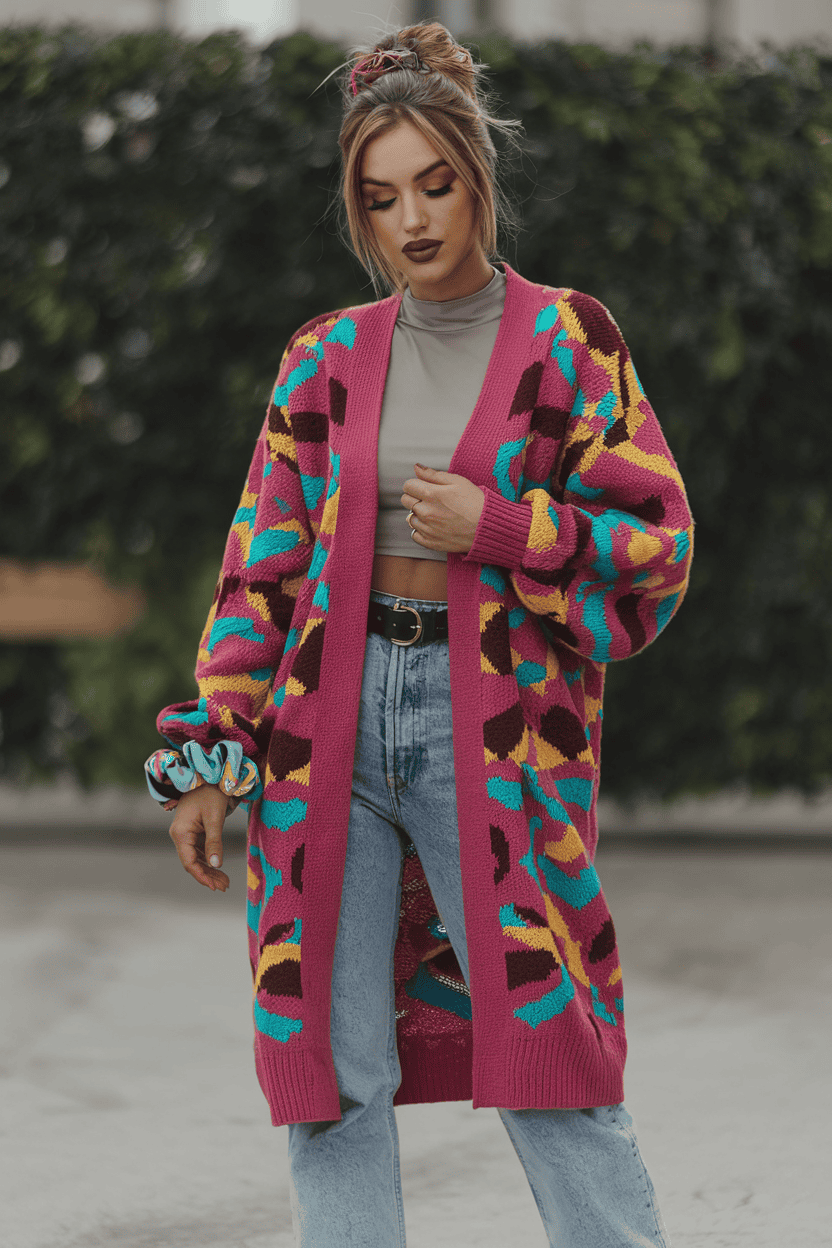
(438, 270)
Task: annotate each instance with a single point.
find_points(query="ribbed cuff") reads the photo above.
(502, 534)
(566, 1071)
(299, 1084)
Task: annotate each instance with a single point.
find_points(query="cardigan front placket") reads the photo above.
(553, 587)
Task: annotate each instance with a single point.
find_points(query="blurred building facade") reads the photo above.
(610, 22)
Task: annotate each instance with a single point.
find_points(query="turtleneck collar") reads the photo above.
(455, 314)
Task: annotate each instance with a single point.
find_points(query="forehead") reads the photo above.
(398, 154)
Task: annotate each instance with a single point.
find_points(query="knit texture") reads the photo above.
(581, 556)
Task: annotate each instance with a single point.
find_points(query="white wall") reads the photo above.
(354, 21)
(457, 15)
(610, 22)
(661, 21)
(260, 19)
(801, 21)
(120, 14)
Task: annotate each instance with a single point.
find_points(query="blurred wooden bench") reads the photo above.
(49, 601)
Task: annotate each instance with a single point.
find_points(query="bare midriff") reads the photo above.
(411, 578)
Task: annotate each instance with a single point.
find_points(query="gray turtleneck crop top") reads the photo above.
(438, 359)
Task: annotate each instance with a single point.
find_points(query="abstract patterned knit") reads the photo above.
(581, 556)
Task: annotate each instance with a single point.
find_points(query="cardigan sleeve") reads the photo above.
(268, 550)
(602, 550)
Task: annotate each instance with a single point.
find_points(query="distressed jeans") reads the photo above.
(583, 1166)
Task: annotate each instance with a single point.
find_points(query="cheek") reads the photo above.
(379, 235)
(380, 229)
(461, 216)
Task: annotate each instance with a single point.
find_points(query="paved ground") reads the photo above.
(69, 810)
(130, 1116)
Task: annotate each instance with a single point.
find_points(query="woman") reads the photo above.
(461, 506)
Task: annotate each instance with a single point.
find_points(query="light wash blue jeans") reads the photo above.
(583, 1166)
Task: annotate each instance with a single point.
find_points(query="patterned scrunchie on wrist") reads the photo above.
(173, 771)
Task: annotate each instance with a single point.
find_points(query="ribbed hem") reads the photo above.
(435, 1069)
(299, 1084)
(568, 1073)
(502, 534)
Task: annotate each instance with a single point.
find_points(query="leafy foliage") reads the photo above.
(166, 222)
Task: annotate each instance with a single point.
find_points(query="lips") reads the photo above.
(422, 244)
(423, 250)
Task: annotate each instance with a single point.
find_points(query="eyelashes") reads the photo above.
(380, 205)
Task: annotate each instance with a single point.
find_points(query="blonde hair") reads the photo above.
(443, 100)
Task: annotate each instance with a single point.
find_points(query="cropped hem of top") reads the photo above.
(438, 360)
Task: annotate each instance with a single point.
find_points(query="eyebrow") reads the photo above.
(437, 164)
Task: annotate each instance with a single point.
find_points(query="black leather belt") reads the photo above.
(405, 626)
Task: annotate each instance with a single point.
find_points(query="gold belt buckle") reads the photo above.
(418, 634)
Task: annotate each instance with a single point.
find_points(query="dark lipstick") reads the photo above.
(422, 251)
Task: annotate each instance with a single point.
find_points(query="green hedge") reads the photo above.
(165, 223)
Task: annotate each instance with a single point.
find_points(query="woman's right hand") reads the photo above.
(196, 831)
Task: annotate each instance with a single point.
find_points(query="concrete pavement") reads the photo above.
(66, 810)
(130, 1115)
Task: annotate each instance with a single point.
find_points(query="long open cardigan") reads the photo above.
(581, 556)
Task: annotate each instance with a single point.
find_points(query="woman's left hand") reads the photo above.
(446, 509)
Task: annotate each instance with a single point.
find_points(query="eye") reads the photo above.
(442, 190)
(378, 205)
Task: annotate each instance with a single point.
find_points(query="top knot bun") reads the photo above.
(437, 51)
(440, 53)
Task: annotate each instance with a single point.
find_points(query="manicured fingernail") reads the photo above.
(215, 860)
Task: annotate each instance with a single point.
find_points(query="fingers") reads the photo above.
(190, 846)
(428, 503)
(434, 474)
(418, 535)
(431, 483)
(410, 499)
(422, 491)
(196, 831)
(449, 508)
(213, 820)
(421, 526)
(417, 489)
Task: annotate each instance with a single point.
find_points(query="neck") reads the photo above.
(470, 275)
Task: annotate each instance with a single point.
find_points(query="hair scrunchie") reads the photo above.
(368, 68)
(172, 771)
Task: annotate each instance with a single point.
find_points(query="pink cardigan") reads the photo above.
(581, 556)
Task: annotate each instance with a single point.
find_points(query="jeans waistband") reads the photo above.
(421, 604)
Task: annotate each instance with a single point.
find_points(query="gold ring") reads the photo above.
(407, 518)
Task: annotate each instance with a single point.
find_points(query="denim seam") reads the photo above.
(516, 1146)
(392, 1062)
(648, 1186)
(390, 716)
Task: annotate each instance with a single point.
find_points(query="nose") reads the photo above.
(415, 215)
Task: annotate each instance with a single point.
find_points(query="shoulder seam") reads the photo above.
(308, 326)
(314, 321)
(585, 305)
